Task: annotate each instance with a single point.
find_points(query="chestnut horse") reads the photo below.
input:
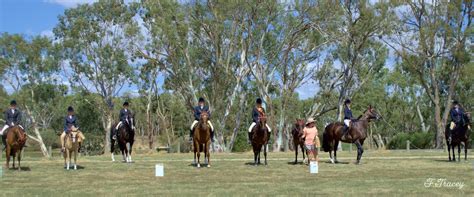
(298, 140)
(202, 139)
(260, 137)
(459, 135)
(356, 134)
(71, 144)
(16, 139)
(126, 137)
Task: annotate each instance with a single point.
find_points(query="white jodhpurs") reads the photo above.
(253, 125)
(347, 122)
(208, 122)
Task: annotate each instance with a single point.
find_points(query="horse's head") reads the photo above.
(371, 114)
(262, 120)
(299, 124)
(204, 116)
(73, 135)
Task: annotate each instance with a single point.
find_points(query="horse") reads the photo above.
(126, 137)
(71, 145)
(356, 134)
(459, 135)
(16, 139)
(260, 137)
(202, 139)
(298, 140)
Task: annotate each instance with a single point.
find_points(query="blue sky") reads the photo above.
(31, 17)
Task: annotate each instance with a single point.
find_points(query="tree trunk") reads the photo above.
(108, 126)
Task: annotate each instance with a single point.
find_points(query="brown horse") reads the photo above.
(16, 139)
(356, 134)
(73, 138)
(260, 137)
(202, 139)
(459, 135)
(298, 140)
(126, 138)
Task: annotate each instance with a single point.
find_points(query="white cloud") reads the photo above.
(48, 33)
(69, 3)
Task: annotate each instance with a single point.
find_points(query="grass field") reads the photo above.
(381, 173)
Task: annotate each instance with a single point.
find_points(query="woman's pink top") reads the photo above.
(309, 135)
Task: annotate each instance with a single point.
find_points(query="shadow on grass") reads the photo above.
(339, 162)
(22, 169)
(253, 164)
(293, 163)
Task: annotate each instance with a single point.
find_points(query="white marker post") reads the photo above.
(159, 170)
(313, 167)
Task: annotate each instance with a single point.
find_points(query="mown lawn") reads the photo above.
(381, 173)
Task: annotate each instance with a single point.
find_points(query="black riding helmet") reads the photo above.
(13, 103)
(259, 101)
(125, 104)
(455, 102)
(70, 109)
(201, 100)
(347, 101)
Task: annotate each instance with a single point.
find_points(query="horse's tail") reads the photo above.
(326, 140)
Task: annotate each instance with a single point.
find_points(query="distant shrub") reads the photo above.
(418, 140)
(240, 144)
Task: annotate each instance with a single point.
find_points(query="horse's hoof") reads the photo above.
(266, 163)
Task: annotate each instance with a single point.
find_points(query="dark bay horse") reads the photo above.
(298, 140)
(356, 134)
(459, 135)
(260, 137)
(16, 139)
(202, 139)
(126, 137)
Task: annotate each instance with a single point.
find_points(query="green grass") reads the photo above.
(381, 173)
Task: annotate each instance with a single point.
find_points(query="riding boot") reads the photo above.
(212, 136)
(191, 134)
(4, 141)
(344, 131)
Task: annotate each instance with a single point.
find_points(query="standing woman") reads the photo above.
(311, 142)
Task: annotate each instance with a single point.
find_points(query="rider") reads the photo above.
(456, 115)
(70, 124)
(347, 115)
(12, 118)
(257, 110)
(124, 115)
(197, 115)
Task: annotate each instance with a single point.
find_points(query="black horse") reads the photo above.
(125, 139)
(460, 134)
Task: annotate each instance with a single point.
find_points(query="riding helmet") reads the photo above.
(347, 101)
(70, 109)
(201, 100)
(13, 103)
(259, 101)
(125, 103)
(455, 102)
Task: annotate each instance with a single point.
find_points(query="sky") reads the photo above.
(39, 17)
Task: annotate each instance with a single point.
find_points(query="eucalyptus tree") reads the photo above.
(431, 38)
(30, 68)
(95, 39)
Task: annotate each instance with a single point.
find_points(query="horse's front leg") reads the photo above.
(459, 152)
(465, 151)
(198, 152)
(19, 160)
(360, 151)
(112, 149)
(449, 150)
(303, 152)
(265, 153)
(68, 159)
(208, 155)
(336, 145)
(296, 153)
(454, 154)
(75, 158)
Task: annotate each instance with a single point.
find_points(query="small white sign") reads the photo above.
(313, 167)
(159, 170)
